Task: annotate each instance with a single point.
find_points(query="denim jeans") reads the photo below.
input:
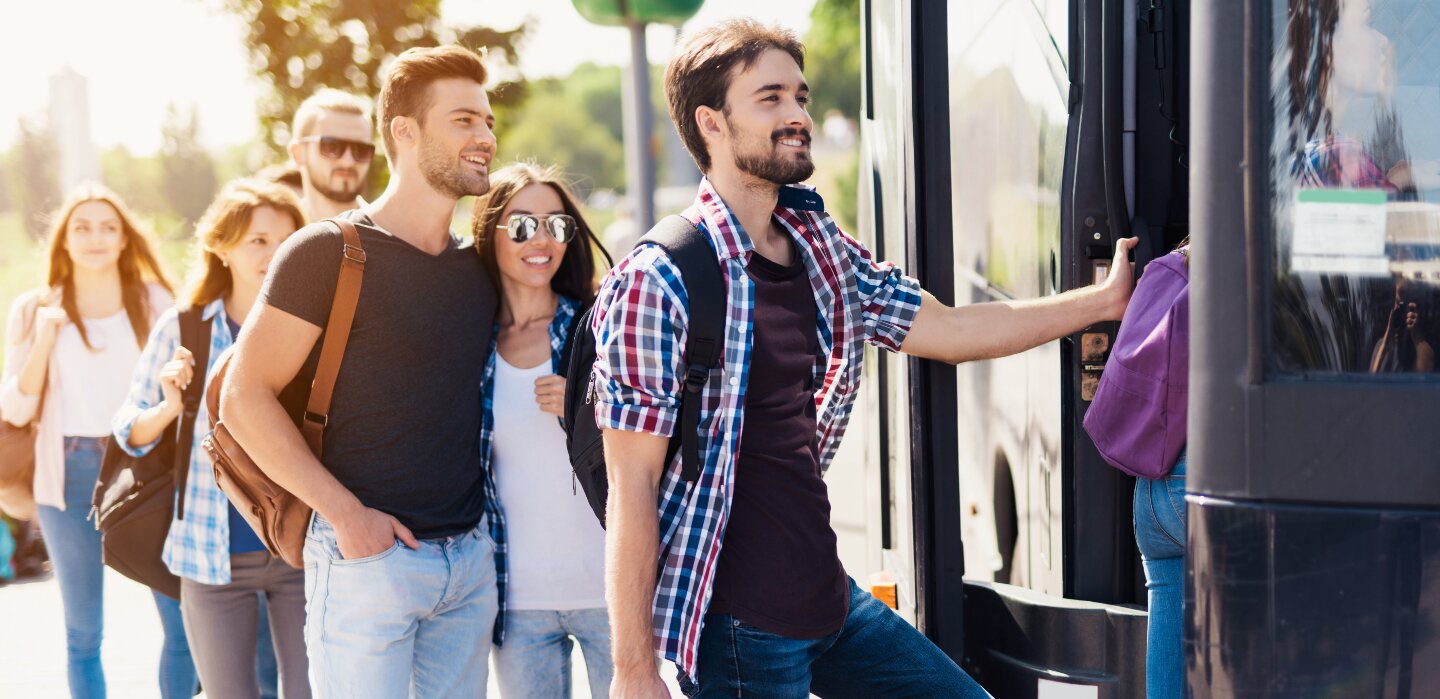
(534, 661)
(74, 547)
(402, 622)
(875, 654)
(1160, 535)
(178, 677)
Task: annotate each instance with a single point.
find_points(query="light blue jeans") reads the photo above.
(534, 661)
(402, 622)
(74, 547)
(1160, 535)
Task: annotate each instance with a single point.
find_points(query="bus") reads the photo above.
(1005, 146)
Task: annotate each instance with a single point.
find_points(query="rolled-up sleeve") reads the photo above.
(18, 407)
(889, 300)
(639, 326)
(145, 391)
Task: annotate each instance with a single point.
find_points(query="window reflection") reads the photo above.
(1355, 177)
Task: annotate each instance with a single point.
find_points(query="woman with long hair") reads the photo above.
(533, 240)
(70, 349)
(221, 563)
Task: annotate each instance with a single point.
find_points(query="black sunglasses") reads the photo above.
(334, 148)
(523, 227)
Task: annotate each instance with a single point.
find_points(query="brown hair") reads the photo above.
(576, 276)
(221, 227)
(286, 173)
(138, 264)
(701, 71)
(406, 90)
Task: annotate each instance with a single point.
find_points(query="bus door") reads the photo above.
(1314, 454)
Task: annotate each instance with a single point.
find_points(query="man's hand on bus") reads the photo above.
(1002, 328)
(1120, 283)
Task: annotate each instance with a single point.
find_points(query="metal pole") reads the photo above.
(639, 163)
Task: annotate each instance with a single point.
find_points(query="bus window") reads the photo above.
(1355, 187)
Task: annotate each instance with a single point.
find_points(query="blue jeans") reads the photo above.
(534, 662)
(74, 547)
(402, 622)
(875, 654)
(1160, 535)
(178, 678)
(267, 668)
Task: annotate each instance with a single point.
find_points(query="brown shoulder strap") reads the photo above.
(337, 334)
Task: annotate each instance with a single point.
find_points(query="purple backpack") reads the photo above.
(1137, 418)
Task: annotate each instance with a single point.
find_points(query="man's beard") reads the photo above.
(343, 195)
(766, 164)
(446, 172)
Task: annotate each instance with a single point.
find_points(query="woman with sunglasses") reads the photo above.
(531, 238)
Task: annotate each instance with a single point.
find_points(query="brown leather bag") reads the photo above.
(278, 517)
(17, 453)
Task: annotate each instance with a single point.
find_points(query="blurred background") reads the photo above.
(165, 100)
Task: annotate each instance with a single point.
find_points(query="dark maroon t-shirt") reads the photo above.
(779, 568)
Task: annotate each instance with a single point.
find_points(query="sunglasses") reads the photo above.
(523, 227)
(334, 148)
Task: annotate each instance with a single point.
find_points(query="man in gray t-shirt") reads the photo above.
(404, 576)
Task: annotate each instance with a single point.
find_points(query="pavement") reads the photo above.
(32, 642)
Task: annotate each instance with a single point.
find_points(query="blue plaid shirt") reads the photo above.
(565, 313)
(640, 324)
(198, 546)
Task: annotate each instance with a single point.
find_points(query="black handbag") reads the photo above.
(137, 497)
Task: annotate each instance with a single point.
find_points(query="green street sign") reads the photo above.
(623, 12)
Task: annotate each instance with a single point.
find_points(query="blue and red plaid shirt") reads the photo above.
(640, 323)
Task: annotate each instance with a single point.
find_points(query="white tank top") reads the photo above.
(556, 546)
(94, 381)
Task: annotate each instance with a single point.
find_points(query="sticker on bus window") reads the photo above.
(1050, 689)
(1339, 231)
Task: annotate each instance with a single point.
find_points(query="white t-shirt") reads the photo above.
(94, 381)
(556, 545)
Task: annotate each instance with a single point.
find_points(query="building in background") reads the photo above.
(70, 125)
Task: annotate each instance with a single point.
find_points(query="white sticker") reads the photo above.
(1339, 231)
(1050, 689)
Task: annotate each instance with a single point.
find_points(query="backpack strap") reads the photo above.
(194, 336)
(705, 288)
(337, 334)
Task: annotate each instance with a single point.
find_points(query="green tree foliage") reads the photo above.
(135, 178)
(832, 58)
(299, 46)
(187, 171)
(549, 129)
(35, 176)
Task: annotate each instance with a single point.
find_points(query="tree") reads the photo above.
(549, 130)
(135, 178)
(187, 171)
(299, 46)
(35, 176)
(832, 58)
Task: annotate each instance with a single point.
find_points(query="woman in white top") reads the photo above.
(69, 352)
(530, 236)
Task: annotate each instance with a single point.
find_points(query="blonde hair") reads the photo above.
(138, 264)
(223, 224)
(326, 100)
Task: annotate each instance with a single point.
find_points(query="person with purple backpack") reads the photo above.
(1137, 421)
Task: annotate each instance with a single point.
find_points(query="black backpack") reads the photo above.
(705, 288)
(136, 497)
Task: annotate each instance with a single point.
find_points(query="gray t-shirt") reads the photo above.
(405, 420)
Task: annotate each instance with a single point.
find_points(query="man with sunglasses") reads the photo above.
(331, 140)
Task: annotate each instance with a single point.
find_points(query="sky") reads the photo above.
(141, 55)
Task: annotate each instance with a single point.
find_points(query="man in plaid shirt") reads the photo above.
(770, 612)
